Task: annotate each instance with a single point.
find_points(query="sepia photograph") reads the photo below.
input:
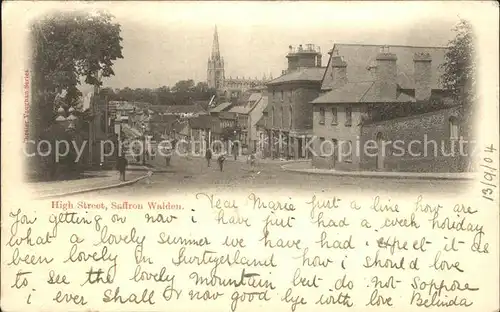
(242, 156)
(248, 105)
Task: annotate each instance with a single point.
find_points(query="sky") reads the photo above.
(164, 42)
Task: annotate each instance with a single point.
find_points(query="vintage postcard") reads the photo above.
(245, 156)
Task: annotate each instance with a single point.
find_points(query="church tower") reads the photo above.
(215, 69)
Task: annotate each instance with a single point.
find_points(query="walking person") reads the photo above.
(121, 165)
(221, 160)
(252, 160)
(168, 157)
(208, 156)
(235, 152)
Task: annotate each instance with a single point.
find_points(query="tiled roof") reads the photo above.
(227, 115)
(303, 74)
(240, 109)
(360, 92)
(360, 56)
(179, 109)
(221, 107)
(254, 97)
(202, 122)
(349, 93)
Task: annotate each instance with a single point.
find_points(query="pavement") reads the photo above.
(306, 168)
(90, 182)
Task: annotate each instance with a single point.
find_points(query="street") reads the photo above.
(191, 174)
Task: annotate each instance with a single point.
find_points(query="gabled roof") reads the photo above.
(240, 109)
(361, 56)
(313, 74)
(250, 102)
(221, 107)
(349, 93)
(254, 97)
(227, 115)
(358, 92)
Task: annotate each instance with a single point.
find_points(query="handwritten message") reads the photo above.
(241, 253)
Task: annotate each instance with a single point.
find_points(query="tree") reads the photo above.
(67, 47)
(459, 77)
(184, 86)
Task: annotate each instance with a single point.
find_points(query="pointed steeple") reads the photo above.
(215, 45)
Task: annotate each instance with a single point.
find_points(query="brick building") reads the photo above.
(362, 80)
(289, 111)
(436, 147)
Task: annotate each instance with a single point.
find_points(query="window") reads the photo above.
(282, 95)
(334, 115)
(453, 124)
(282, 118)
(274, 94)
(273, 123)
(290, 112)
(348, 116)
(348, 151)
(322, 115)
(290, 96)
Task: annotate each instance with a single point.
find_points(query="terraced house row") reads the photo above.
(366, 95)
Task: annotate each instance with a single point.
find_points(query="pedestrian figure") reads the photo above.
(121, 165)
(220, 160)
(235, 152)
(252, 160)
(167, 158)
(208, 156)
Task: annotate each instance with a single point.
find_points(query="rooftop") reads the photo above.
(312, 74)
(179, 109)
(358, 92)
(359, 57)
(221, 107)
(203, 122)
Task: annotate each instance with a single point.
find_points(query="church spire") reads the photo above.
(215, 45)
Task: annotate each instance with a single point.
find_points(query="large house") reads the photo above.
(370, 93)
(289, 110)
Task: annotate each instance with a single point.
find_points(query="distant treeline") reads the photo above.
(183, 92)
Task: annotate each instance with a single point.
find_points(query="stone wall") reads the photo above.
(423, 130)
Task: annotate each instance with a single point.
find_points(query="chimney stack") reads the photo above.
(422, 75)
(386, 86)
(339, 71)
